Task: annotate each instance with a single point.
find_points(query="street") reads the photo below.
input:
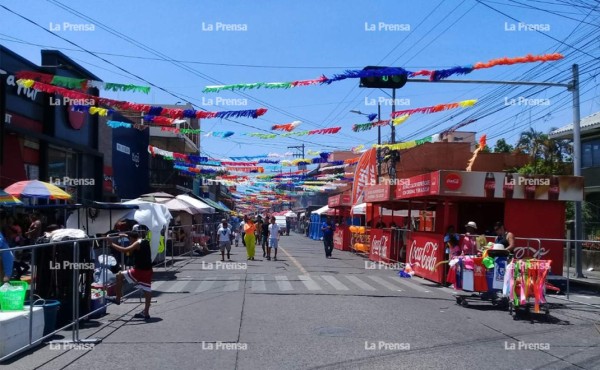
(308, 312)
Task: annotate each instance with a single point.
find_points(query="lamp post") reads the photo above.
(378, 137)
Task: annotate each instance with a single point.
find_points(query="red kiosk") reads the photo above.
(384, 246)
(341, 204)
(530, 206)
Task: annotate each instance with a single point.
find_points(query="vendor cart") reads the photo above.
(481, 278)
(525, 286)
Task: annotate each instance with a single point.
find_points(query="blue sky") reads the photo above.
(322, 37)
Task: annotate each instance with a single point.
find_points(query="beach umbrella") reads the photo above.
(158, 197)
(8, 200)
(37, 189)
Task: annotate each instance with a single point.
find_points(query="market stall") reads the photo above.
(445, 198)
(341, 205)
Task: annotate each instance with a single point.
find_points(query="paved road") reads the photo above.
(308, 312)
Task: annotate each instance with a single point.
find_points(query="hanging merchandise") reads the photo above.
(435, 108)
(434, 75)
(79, 83)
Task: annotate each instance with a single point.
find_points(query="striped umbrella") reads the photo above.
(8, 200)
(37, 189)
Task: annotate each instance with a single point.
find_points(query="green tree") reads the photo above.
(502, 147)
(548, 156)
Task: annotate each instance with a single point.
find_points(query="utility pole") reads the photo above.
(301, 166)
(379, 143)
(391, 121)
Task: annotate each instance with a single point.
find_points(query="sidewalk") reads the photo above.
(591, 279)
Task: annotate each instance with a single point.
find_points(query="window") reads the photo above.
(590, 153)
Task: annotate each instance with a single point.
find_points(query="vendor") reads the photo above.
(380, 224)
(506, 238)
(469, 243)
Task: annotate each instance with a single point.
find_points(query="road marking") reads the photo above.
(410, 285)
(283, 283)
(177, 287)
(206, 284)
(258, 284)
(308, 282)
(334, 282)
(361, 284)
(156, 284)
(295, 262)
(231, 285)
(386, 284)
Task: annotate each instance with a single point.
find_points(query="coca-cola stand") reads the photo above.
(341, 205)
(457, 197)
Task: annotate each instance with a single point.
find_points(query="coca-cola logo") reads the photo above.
(453, 181)
(425, 257)
(380, 246)
(521, 252)
(338, 237)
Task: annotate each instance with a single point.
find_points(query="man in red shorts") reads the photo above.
(140, 274)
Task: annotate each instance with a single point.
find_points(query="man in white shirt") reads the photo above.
(273, 239)
(224, 233)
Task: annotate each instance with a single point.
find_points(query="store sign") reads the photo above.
(377, 193)
(418, 186)
(424, 252)
(364, 175)
(502, 185)
(338, 238)
(11, 81)
(380, 245)
(340, 200)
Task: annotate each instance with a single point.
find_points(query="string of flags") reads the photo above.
(434, 75)
(79, 83)
(435, 108)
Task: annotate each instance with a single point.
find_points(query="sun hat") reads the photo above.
(498, 247)
(471, 224)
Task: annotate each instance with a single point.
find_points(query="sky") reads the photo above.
(169, 44)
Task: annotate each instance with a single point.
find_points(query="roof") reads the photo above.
(589, 123)
(214, 204)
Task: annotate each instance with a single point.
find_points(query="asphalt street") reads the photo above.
(308, 312)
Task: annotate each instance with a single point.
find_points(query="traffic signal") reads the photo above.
(379, 80)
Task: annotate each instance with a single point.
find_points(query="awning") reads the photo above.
(201, 206)
(361, 209)
(224, 206)
(215, 205)
(321, 210)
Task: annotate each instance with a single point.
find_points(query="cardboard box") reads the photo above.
(14, 329)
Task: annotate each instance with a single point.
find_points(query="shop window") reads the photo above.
(61, 164)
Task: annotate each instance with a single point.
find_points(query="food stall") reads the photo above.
(384, 243)
(341, 205)
(445, 198)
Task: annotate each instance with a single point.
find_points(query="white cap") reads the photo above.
(498, 247)
(471, 224)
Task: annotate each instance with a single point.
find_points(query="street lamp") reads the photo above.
(378, 138)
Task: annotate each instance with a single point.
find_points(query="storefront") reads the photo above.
(43, 137)
(453, 198)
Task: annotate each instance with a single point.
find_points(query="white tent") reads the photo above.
(199, 205)
(321, 210)
(361, 209)
(290, 214)
(154, 215)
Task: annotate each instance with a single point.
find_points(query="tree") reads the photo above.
(502, 147)
(548, 156)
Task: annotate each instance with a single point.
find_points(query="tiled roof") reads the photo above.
(588, 123)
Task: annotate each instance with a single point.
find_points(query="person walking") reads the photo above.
(242, 232)
(249, 237)
(328, 229)
(265, 236)
(225, 237)
(273, 239)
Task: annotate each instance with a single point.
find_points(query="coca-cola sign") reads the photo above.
(380, 245)
(452, 181)
(424, 252)
(521, 252)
